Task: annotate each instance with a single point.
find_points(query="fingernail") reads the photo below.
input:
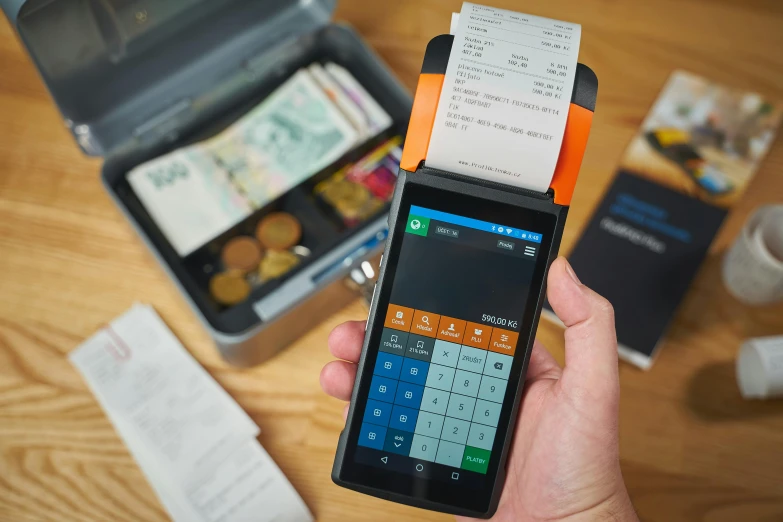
(571, 272)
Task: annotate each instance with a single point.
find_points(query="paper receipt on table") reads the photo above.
(505, 97)
(195, 445)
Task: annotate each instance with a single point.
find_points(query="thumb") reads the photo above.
(590, 338)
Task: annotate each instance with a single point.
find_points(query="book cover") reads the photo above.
(687, 166)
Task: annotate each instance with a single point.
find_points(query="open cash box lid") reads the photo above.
(128, 72)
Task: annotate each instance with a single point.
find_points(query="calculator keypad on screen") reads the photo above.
(437, 388)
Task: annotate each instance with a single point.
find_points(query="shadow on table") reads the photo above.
(713, 396)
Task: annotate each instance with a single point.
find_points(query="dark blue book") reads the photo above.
(691, 161)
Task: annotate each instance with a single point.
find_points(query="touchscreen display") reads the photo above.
(449, 338)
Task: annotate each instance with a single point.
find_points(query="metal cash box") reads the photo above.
(135, 79)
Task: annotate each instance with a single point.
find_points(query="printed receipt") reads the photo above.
(195, 445)
(505, 97)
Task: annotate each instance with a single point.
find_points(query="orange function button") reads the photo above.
(503, 341)
(477, 335)
(425, 323)
(451, 329)
(399, 318)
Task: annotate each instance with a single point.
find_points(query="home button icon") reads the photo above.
(419, 467)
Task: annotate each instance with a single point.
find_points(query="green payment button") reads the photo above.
(418, 225)
(475, 459)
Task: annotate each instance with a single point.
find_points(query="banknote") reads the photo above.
(378, 120)
(190, 198)
(291, 135)
(340, 98)
(198, 192)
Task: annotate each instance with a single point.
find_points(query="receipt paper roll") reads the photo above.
(505, 97)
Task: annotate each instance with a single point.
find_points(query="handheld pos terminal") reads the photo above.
(454, 316)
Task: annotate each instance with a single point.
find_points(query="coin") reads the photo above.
(347, 196)
(229, 288)
(361, 213)
(301, 251)
(279, 231)
(241, 253)
(276, 263)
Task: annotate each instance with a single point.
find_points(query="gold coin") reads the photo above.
(347, 196)
(229, 288)
(279, 231)
(241, 253)
(276, 263)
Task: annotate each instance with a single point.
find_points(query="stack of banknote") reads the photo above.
(195, 193)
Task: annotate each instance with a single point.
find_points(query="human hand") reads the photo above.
(564, 459)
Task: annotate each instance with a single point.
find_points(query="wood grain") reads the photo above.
(691, 448)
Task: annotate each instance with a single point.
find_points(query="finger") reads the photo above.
(590, 339)
(345, 412)
(337, 379)
(345, 341)
(542, 365)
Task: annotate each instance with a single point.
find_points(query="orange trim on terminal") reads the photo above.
(425, 105)
(577, 130)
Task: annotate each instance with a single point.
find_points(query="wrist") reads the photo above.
(615, 508)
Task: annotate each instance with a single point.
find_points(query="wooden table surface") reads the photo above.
(69, 262)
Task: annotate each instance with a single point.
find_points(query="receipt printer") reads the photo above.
(428, 92)
(453, 317)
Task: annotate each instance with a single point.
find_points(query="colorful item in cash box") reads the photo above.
(352, 201)
(378, 170)
(359, 191)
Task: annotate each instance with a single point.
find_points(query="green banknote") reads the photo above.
(293, 134)
(190, 198)
(197, 192)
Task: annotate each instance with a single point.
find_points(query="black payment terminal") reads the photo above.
(453, 319)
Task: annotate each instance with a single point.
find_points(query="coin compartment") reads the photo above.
(321, 229)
